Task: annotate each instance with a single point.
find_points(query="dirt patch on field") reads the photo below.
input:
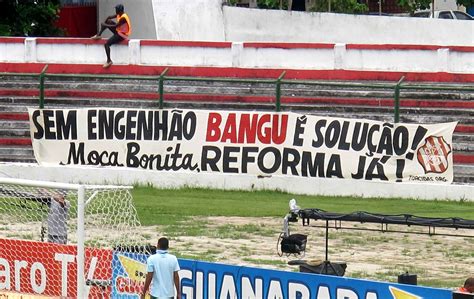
(437, 260)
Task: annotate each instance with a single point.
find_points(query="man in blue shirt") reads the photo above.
(162, 270)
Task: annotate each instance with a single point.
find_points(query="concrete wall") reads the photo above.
(275, 25)
(208, 20)
(141, 15)
(189, 20)
(298, 56)
(311, 186)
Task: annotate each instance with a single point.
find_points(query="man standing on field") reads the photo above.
(162, 270)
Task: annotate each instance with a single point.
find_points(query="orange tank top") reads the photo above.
(125, 29)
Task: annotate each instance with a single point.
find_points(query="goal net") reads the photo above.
(58, 239)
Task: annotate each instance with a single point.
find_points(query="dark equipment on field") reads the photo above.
(295, 244)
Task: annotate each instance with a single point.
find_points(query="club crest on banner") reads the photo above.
(433, 155)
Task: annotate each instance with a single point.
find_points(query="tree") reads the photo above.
(340, 6)
(30, 18)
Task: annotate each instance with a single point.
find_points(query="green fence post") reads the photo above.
(397, 99)
(41, 87)
(161, 88)
(278, 91)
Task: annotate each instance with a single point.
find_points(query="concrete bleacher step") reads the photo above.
(358, 101)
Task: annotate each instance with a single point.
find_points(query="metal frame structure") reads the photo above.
(278, 82)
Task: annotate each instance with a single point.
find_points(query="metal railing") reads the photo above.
(278, 82)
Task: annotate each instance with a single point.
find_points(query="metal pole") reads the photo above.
(397, 99)
(278, 91)
(80, 243)
(327, 241)
(161, 88)
(41, 91)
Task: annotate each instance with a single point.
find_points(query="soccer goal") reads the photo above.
(55, 238)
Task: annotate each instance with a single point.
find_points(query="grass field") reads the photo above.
(204, 226)
(173, 205)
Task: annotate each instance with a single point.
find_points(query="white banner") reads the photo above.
(259, 143)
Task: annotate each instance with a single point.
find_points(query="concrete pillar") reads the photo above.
(134, 51)
(339, 56)
(30, 49)
(443, 60)
(236, 50)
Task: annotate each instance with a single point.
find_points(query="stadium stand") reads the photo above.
(330, 93)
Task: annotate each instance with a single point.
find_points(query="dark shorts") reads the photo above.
(114, 39)
(153, 297)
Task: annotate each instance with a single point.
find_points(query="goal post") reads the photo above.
(73, 227)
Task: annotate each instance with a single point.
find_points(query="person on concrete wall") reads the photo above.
(121, 30)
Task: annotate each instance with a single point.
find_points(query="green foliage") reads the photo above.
(341, 6)
(272, 4)
(412, 5)
(30, 18)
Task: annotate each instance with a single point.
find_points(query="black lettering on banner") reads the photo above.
(385, 142)
(161, 125)
(172, 160)
(176, 127)
(319, 141)
(312, 167)
(299, 130)
(119, 125)
(228, 158)
(276, 160)
(400, 140)
(360, 168)
(131, 125)
(370, 145)
(145, 125)
(419, 134)
(105, 124)
(91, 124)
(56, 125)
(334, 167)
(66, 128)
(332, 134)
(375, 169)
(48, 116)
(359, 138)
(189, 125)
(343, 144)
(39, 129)
(75, 156)
(291, 159)
(210, 157)
(247, 158)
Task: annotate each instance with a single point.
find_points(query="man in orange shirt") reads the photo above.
(121, 30)
(468, 286)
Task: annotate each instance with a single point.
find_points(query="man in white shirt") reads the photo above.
(162, 270)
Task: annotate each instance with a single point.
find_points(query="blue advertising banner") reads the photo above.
(201, 280)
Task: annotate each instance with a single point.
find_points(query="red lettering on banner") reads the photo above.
(126, 285)
(29, 267)
(247, 128)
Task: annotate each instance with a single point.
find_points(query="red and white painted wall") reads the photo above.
(256, 55)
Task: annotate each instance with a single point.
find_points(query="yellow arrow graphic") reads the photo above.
(400, 294)
(136, 271)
